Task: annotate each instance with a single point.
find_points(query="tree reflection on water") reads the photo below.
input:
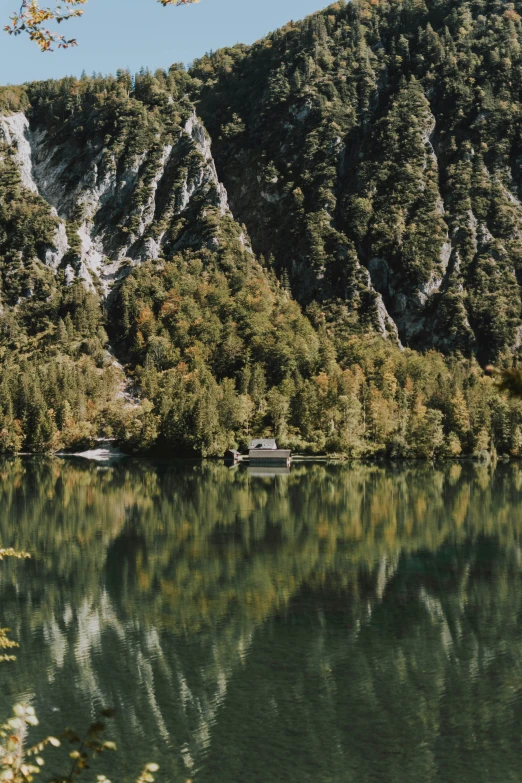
(337, 623)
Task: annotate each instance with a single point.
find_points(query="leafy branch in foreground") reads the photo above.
(19, 764)
(10, 552)
(6, 644)
(31, 19)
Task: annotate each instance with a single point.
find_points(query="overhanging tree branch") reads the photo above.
(33, 20)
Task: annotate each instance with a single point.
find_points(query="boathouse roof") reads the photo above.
(262, 443)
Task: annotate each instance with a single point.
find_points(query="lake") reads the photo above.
(331, 624)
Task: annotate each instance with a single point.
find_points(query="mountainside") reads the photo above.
(383, 137)
(262, 244)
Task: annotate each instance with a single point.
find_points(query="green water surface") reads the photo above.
(334, 623)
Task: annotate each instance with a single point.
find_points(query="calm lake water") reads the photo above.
(339, 623)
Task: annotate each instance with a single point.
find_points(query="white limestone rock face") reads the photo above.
(88, 181)
(148, 209)
(273, 198)
(15, 131)
(197, 132)
(54, 255)
(413, 306)
(14, 128)
(91, 256)
(387, 326)
(152, 247)
(64, 182)
(445, 255)
(71, 187)
(47, 172)
(69, 275)
(244, 241)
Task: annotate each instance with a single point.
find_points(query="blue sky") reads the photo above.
(130, 33)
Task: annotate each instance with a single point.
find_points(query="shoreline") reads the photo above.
(114, 454)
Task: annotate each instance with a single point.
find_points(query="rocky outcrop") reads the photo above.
(195, 129)
(89, 189)
(55, 254)
(14, 131)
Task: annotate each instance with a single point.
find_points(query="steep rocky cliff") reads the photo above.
(119, 199)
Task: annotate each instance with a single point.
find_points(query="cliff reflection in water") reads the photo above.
(338, 623)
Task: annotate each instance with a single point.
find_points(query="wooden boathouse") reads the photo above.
(264, 452)
(232, 457)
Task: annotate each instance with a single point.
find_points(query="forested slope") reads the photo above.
(383, 136)
(341, 293)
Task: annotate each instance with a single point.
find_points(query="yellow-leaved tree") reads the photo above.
(33, 20)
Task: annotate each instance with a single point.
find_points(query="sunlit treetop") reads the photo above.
(33, 19)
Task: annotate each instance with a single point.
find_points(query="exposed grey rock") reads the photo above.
(388, 327)
(407, 308)
(273, 198)
(195, 129)
(14, 128)
(69, 275)
(445, 255)
(53, 256)
(77, 181)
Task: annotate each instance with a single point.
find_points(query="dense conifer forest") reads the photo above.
(331, 254)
